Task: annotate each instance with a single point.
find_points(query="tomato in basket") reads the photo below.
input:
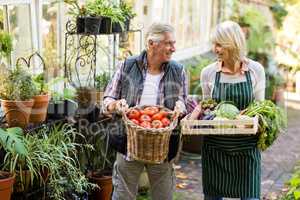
(151, 110)
(145, 118)
(158, 116)
(157, 124)
(135, 121)
(145, 124)
(165, 121)
(133, 114)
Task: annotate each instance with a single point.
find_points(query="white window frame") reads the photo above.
(33, 18)
(36, 17)
(186, 53)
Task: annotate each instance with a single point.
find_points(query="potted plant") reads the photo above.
(89, 98)
(6, 45)
(11, 140)
(87, 21)
(274, 86)
(16, 92)
(62, 104)
(110, 12)
(41, 100)
(101, 81)
(128, 12)
(57, 160)
(98, 161)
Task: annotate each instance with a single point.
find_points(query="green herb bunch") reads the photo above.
(16, 84)
(272, 121)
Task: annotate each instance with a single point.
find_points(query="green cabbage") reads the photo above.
(227, 110)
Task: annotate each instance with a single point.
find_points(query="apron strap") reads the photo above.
(248, 77)
(217, 79)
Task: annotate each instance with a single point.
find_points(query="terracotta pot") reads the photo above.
(6, 185)
(105, 186)
(17, 113)
(39, 109)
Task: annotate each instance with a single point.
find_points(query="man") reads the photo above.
(150, 78)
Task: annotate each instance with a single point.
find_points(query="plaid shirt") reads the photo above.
(113, 90)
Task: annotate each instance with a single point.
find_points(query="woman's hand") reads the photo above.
(196, 112)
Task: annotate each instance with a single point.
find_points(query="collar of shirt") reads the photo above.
(243, 67)
(144, 63)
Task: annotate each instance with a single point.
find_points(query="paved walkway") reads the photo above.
(277, 165)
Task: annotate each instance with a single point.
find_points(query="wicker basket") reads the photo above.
(219, 127)
(148, 145)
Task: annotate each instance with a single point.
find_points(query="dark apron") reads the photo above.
(231, 164)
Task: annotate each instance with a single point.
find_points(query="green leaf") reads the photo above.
(295, 181)
(12, 140)
(297, 194)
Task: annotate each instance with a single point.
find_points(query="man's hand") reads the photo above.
(179, 107)
(118, 106)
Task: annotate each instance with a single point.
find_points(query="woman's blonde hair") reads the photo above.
(230, 36)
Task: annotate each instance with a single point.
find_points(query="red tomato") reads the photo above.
(165, 121)
(135, 121)
(145, 118)
(158, 116)
(164, 113)
(151, 110)
(157, 124)
(145, 124)
(133, 114)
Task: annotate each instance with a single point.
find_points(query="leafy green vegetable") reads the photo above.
(227, 110)
(272, 120)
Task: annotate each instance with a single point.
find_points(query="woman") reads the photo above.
(231, 164)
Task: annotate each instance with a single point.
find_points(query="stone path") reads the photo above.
(277, 165)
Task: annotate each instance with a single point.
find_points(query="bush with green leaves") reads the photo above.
(127, 10)
(16, 84)
(293, 192)
(102, 81)
(40, 83)
(194, 71)
(6, 45)
(260, 41)
(51, 158)
(105, 8)
(75, 9)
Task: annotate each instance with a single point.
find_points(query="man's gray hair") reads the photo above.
(155, 32)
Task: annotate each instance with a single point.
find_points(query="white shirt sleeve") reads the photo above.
(260, 82)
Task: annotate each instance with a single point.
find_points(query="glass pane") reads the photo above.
(20, 28)
(157, 10)
(49, 37)
(185, 17)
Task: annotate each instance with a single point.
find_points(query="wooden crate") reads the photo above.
(219, 127)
